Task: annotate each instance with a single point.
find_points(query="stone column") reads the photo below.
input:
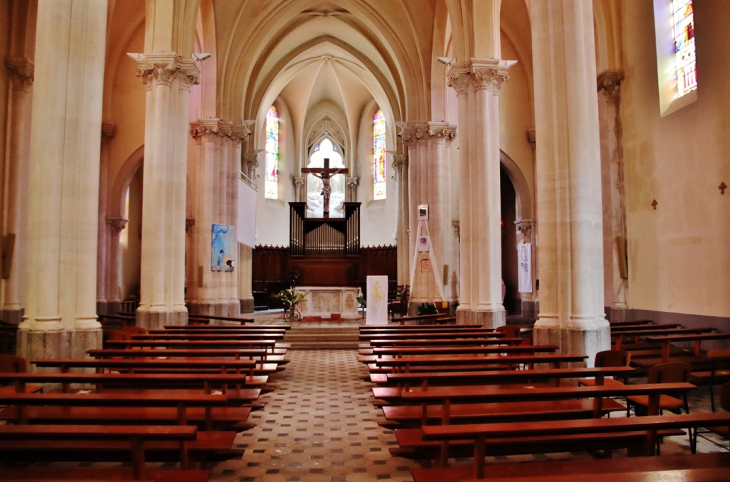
(63, 189)
(251, 164)
(460, 80)
(568, 179)
(102, 256)
(14, 238)
(114, 290)
(400, 171)
(167, 78)
(352, 183)
(614, 197)
(205, 294)
(238, 135)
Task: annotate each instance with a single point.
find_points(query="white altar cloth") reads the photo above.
(325, 301)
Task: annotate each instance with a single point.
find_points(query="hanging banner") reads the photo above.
(524, 269)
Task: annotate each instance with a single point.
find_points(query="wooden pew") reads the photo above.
(207, 318)
(254, 337)
(438, 362)
(396, 383)
(190, 344)
(667, 339)
(648, 331)
(142, 365)
(631, 322)
(433, 318)
(252, 353)
(367, 330)
(137, 438)
(425, 336)
(719, 372)
(129, 407)
(228, 327)
(481, 434)
(238, 388)
(397, 352)
(574, 468)
(205, 330)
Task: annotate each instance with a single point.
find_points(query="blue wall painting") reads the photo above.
(223, 245)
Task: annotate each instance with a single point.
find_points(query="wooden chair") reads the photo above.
(13, 364)
(608, 358)
(674, 372)
(510, 331)
(399, 306)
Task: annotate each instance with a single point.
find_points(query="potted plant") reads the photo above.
(427, 309)
(290, 297)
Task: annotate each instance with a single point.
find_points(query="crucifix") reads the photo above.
(325, 173)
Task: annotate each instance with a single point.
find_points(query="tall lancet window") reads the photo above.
(379, 155)
(271, 184)
(684, 46)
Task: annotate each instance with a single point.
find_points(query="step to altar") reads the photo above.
(309, 336)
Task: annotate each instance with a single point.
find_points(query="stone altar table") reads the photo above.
(324, 301)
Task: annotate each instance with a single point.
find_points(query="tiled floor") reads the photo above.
(320, 425)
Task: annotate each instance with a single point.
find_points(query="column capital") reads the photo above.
(353, 181)
(117, 225)
(298, 181)
(163, 67)
(438, 131)
(240, 132)
(207, 129)
(107, 132)
(21, 72)
(459, 79)
(489, 74)
(532, 138)
(609, 81)
(524, 226)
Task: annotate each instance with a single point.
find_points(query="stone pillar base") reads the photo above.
(14, 317)
(487, 319)
(216, 309)
(108, 307)
(616, 314)
(43, 344)
(84, 340)
(156, 320)
(246, 305)
(575, 340)
(530, 309)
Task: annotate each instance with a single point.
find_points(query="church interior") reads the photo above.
(558, 166)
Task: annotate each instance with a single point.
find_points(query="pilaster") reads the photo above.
(14, 238)
(614, 195)
(299, 187)
(103, 247)
(400, 174)
(115, 226)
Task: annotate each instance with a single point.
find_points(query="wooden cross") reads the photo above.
(325, 173)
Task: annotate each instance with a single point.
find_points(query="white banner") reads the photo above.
(524, 268)
(377, 300)
(246, 222)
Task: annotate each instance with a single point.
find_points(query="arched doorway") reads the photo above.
(512, 302)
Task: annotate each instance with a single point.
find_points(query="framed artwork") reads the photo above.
(423, 212)
(424, 243)
(223, 247)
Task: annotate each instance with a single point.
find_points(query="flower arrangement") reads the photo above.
(290, 297)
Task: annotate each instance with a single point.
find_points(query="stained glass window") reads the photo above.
(379, 155)
(272, 155)
(684, 46)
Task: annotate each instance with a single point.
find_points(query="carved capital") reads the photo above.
(225, 130)
(408, 135)
(609, 81)
(353, 181)
(489, 74)
(205, 129)
(157, 68)
(399, 162)
(298, 181)
(21, 72)
(532, 138)
(189, 73)
(107, 132)
(459, 80)
(524, 226)
(240, 132)
(456, 226)
(117, 225)
(189, 224)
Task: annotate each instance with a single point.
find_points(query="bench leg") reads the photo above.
(137, 458)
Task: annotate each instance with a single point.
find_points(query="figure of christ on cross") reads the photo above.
(325, 173)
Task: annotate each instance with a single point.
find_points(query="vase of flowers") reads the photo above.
(291, 298)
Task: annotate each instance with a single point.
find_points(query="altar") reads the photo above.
(325, 301)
